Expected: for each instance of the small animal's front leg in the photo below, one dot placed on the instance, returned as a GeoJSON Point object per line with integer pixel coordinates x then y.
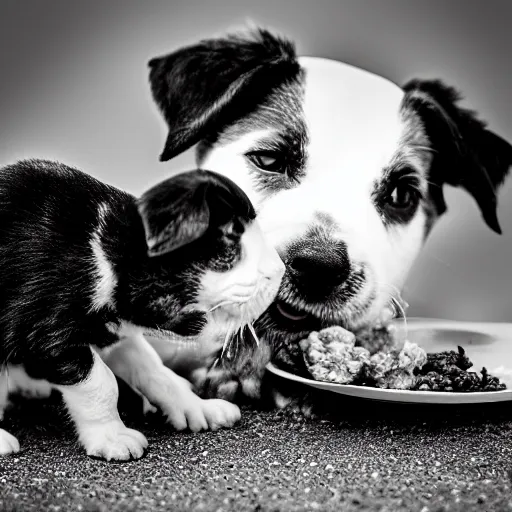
{"type": "Point", "coordinates": [21, 384]}
{"type": "Point", "coordinates": [8, 443]}
{"type": "Point", "coordinates": [138, 364]}
{"type": "Point", "coordinates": [90, 392]}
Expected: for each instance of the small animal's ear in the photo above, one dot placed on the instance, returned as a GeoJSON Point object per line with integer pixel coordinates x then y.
{"type": "Point", "coordinates": [175, 212]}
{"type": "Point", "coordinates": [207, 85]}
{"type": "Point", "coordinates": [466, 153]}
{"type": "Point", "coordinates": [181, 209]}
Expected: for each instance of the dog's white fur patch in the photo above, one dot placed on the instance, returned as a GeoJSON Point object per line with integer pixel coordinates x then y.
{"type": "Point", "coordinates": [245, 291]}
{"type": "Point", "coordinates": [354, 130]}
{"type": "Point", "coordinates": [92, 404]}
{"type": "Point", "coordinates": [106, 278]}
{"type": "Point", "coordinates": [137, 363]}
{"type": "Point", "coordinates": [236, 298]}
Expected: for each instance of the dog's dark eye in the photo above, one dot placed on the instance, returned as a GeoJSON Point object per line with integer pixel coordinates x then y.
{"type": "Point", "coordinates": [267, 161]}
{"type": "Point", "coordinates": [403, 197]}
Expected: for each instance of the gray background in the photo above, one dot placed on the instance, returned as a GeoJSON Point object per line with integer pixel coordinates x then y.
{"type": "Point", "coordinates": [73, 87]}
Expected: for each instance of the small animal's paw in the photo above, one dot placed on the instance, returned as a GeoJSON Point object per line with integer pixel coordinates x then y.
{"type": "Point", "coordinates": [197, 414]}
{"type": "Point", "coordinates": [220, 414]}
{"type": "Point", "coordinates": [219, 383]}
{"type": "Point", "coordinates": [8, 443]}
{"type": "Point", "coordinates": [237, 380]}
{"type": "Point", "coordinates": [303, 405]}
{"type": "Point", "coordinates": [20, 383]}
{"type": "Point", "coordinates": [113, 441]}
{"type": "Point", "coordinates": [224, 384]}
{"type": "Point", "coordinates": [184, 409]}
{"type": "Point", "coordinates": [185, 412]}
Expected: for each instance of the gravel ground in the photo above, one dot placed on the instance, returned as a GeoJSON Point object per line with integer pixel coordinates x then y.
{"type": "Point", "coordinates": [386, 458]}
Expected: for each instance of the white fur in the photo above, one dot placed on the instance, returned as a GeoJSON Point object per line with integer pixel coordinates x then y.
{"type": "Point", "coordinates": [138, 364]}
{"type": "Point", "coordinates": [14, 380]}
{"type": "Point", "coordinates": [106, 278]}
{"type": "Point", "coordinates": [354, 130]}
{"type": "Point", "coordinates": [231, 300]}
{"type": "Point", "coordinates": [4, 390]}
{"type": "Point", "coordinates": [250, 286]}
{"type": "Point", "coordinates": [8, 443]}
{"type": "Point", "coordinates": [20, 383]}
{"type": "Point", "coordinates": [92, 404]}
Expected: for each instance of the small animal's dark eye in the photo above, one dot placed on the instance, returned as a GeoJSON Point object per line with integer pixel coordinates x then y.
{"type": "Point", "coordinates": [267, 161]}
{"type": "Point", "coordinates": [403, 196]}
{"type": "Point", "coordinates": [232, 231]}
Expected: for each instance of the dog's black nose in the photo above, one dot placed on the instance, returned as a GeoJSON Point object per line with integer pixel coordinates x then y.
{"type": "Point", "coordinates": [321, 266]}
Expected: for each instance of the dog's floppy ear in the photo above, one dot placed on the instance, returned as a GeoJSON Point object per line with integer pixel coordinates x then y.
{"type": "Point", "coordinates": [175, 212]}
{"type": "Point", "coordinates": [182, 208]}
{"type": "Point", "coordinates": [467, 154]}
{"type": "Point", "coordinates": [203, 86]}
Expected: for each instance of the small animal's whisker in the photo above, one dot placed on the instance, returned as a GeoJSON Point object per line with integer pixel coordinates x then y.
{"type": "Point", "coordinates": [220, 304]}
{"type": "Point", "coordinates": [439, 260]}
{"type": "Point", "coordinates": [226, 343]}
{"type": "Point", "coordinates": [253, 332]}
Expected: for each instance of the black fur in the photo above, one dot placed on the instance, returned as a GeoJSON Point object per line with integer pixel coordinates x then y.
{"type": "Point", "coordinates": [202, 87]}
{"type": "Point", "coordinates": [50, 213]}
{"type": "Point", "coordinates": [468, 155]}
{"type": "Point", "coordinates": [175, 213]}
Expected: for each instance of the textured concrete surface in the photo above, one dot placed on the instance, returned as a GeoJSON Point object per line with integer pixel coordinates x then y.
{"type": "Point", "coordinates": [360, 456]}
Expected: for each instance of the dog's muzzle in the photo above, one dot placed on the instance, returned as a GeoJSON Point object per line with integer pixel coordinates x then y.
{"type": "Point", "coordinates": [321, 287]}
{"type": "Point", "coordinates": [318, 269]}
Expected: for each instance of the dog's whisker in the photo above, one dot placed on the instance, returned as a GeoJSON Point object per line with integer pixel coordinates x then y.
{"type": "Point", "coordinates": [453, 269]}
{"type": "Point", "coordinates": [401, 309]}
{"type": "Point", "coordinates": [253, 332]}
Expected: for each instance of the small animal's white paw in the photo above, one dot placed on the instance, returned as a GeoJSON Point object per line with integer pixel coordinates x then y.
{"type": "Point", "coordinates": [184, 409]}
{"type": "Point", "coordinates": [198, 414]}
{"type": "Point", "coordinates": [113, 441]}
{"type": "Point", "coordinates": [8, 443]}
{"type": "Point", "coordinates": [220, 414]}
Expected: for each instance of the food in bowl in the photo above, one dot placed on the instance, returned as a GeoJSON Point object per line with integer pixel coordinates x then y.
{"type": "Point", "coordinates": [376, 358]}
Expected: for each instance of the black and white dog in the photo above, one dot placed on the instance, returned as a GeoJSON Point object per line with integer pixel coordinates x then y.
{"type": "Point", "coordinates": [346, 169]}
{"type": "Point", "coordinates": [87, 271]}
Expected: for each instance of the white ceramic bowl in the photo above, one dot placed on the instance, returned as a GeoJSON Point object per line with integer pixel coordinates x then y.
{"type": "Point", "coordinates": [486, 344]}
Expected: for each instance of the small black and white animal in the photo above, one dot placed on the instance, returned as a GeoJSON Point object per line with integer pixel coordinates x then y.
{"type": "Point", "coordinates": [346, 170]}
{"type": "Point", "coordinates": [86, 268]}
